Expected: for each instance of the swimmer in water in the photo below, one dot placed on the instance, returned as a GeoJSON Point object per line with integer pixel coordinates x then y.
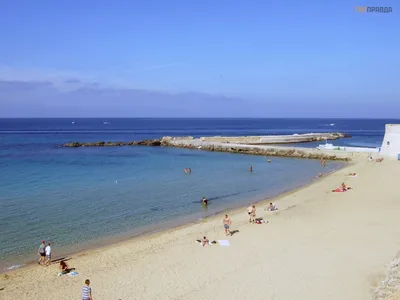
{"type": "Point", "coordinates": [204, 201]}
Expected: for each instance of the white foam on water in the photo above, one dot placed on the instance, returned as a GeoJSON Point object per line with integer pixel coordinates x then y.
{"type": "Point", "coordinates": [13, 267]}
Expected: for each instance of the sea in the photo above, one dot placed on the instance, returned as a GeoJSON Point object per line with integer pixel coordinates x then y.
{"type": "Point", "coordinates": [80, 198]}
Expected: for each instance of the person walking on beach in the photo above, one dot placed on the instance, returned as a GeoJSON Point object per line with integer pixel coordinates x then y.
{"type": "Point", "coordinates": [249, 211]}
{"type": "Point", "coordinates": [253, 214]}
{"type": "Point", "coordinates": [48, 254]}
{"type": "Point", "coordinates": [42, 252]}
{"type": "Point", "coordinates": [87, 291]}
{"type": "Point", "coordinates": [227, 223]}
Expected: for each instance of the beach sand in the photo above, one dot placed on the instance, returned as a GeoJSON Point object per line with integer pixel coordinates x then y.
{"type": "Point", "coordinates": [318, 245]}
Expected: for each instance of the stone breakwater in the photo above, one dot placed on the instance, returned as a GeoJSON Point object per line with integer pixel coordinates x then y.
{"type": "Point", "coordinates": [277, 139]}
{"type": "Point", "coordinates": [201, 144]}
{"type": "Point", "coordinates": [281, 151]}
{"type": "Point", "coordinates": [248, 140]}
{"type": "Point", "coordinates": [155, 142]}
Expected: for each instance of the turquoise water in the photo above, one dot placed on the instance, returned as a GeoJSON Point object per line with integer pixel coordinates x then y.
{"type": "Point", "coordinates": [93, 193]}
{"type": "Point", "coordinates": [78, 198]}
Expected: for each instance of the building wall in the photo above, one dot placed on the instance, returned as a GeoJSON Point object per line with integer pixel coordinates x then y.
{"type": "Point", "coordinates": [391, 141]}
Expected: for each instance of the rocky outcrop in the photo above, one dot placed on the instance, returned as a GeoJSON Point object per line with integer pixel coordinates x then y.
{"type": "Point", "coordinates": [192, 143]}
{"type": "Point", "coordinates": [155, 142]}
{"type": "Point", "coordinates": [282, 152]}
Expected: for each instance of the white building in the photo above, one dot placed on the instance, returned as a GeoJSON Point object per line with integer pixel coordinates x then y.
{"type": "Point", "coordinates": [391, 141]}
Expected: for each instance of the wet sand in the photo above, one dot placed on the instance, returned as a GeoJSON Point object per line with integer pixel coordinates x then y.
{"type": "Point", "coordinates": [318, 245]}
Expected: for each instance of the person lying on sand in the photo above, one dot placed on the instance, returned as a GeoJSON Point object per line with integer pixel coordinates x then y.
{"type": "Point", "coordinates": [379, 159]}
{"type": "Point", "coordinates": [342, 188]}
{"type": "Point", "coordinates": [352, 174]}
{"type": "Point", "coordinates": [205, 241]}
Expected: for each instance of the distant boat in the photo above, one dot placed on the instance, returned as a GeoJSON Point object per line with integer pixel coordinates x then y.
{"type": "Point", "coordinates": [73, 122]}
{"type": "Point", "coordinates": [105, 123]}
{"type": "Point", "coordinates": [333, 124]}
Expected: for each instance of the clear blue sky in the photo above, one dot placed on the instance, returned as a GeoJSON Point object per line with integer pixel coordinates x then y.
{"type": "Point", "coordinates": [257, 58]}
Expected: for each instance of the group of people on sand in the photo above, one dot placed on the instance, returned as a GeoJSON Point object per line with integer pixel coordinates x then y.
{"type": "Point", "coordinates": [44, 253]}
{"type": "Point", "coordinates": [227, 222]}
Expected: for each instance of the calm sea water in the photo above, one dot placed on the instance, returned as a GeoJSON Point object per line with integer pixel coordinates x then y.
{"type": "Point", "coordinates": [77, 198]}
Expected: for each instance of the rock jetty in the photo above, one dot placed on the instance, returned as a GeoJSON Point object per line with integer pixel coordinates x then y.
{"type": "Point", "coordinates": [155, 142]}
{"type": "Point", "coordinates": [264, 150]}
{"type": "Point", "coordinates": [243, 145]}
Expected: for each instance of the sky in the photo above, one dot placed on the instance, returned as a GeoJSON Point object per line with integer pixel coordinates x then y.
{"type": "Point", "coordinates": [199, 58]}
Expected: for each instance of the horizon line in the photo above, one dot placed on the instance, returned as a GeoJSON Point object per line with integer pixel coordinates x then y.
{"type": "Point", "coordinates": [207, 118]}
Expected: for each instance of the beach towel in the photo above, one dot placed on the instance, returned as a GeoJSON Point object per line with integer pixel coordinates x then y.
{"type": "Point", "coordinates": [353, 175]}
{"type": "Point", "coordinates": [338, 190]}
{"type": "Point", "coordinates": [73, 274]}
{"type": "Point", "coordinates": [224, 243]}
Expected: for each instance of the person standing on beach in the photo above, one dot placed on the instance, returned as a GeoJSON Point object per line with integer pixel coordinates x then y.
{"type": "Point", "coordinates": [87, 291]}
{"type": "Point", "coordinates": [253, 213]}
{"type": "Point", "coordinates": [42, 252]}
{"type": "Point", "coordinates": [48, 254]}
{"type": "Point", "coordinates": [227, 223]}
{"type": "Point", "coordinates": [249, 211]}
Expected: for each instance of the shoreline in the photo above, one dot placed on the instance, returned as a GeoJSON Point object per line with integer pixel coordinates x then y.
{"type": "Point", "coordinates": [153, 230]}
{"type": "Point", "coordinates": [323, 245]}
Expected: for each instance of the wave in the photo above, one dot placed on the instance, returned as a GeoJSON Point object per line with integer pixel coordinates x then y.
{"type": "Point", "coordinates": [13, 267]}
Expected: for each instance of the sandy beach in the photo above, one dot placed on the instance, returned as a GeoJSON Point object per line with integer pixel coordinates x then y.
{"type": "Point", "coordinates": [318, 245]}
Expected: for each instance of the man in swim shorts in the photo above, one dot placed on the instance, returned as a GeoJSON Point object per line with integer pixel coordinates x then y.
{"type": "Point", "coordinates": [249, 210]}
{"type": "Point", "coordinates": [253, 213]}
{"type": "Point", "coordinates": [227, 223]}
{"type": "Point", "coordinates": [42, 252]}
